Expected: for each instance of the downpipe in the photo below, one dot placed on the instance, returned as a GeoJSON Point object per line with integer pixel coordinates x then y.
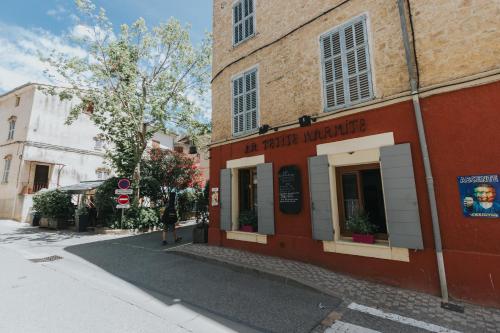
{"type": "Point", "coordinates": [413, 74]}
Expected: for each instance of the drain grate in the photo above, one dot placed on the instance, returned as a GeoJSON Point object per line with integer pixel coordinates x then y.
{"type": "Point", "coordinates": [46, 259]}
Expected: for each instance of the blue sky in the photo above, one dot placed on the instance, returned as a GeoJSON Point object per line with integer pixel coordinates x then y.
{"type": "Point", "coordinates": [30, 25]}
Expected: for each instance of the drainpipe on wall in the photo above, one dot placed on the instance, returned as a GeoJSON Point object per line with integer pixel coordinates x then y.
{"type": "Point", "coordinates": [413, 73]}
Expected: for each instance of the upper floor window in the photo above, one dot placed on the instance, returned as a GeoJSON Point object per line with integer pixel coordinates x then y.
{"type": "Point", "coordinates": [245, 103]}
{"type": "Point", "coordinates": [179, 149]}
{"type": "Point", "coordinates": [243, 20]}
{"type": "Point", "coordinates": [103, 173]}
{"type": "Point", "coordinates": [12, 128]}
{"type": "Point", "coordinates": [346, 65]}
{"type": "Point", "coordinates": [18, 100]}
{"type": "Point", "coordinates": [6, 168]}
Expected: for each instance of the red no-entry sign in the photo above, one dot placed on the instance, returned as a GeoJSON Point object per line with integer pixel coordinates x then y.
{"type": "Point", "coordinates": [123, 199]}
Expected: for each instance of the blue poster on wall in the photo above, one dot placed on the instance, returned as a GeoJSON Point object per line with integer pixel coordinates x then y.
{"type": "Point", "coordinates": [478, 195]}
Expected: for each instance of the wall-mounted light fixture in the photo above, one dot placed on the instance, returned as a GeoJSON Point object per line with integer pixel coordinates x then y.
{"type": "Point", "coordinates": [305, 121]}
{"type": "Point", "coordinates": [264, 128]}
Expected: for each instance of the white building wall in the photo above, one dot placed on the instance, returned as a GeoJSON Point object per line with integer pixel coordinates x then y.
{"type": "Point", "coordinates": [69, 150]}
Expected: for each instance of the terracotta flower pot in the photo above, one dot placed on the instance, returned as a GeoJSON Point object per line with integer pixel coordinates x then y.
{"type": "Point", "coordinates": [360, 238]}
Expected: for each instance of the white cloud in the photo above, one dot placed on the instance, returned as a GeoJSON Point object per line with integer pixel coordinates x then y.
{"type": "Point", "coordinates": [57, 13]}
{"type": "Point", "coordinates": [19, 59]}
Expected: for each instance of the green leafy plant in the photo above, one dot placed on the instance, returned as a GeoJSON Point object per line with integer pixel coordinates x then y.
{"type": "Point", "coordinates": [186, 201]}
{"type": "Point", "coordinates": [359, 223]}
{"type": "Point", "coordinates": [140, 218]}
{"type": "Point", "coordinates": [82, 211]}
{"type": "Point", "coordinates": [248, 218]}
{"type": "Point", "coordinates": [54, 204]}
{"type": "Point", "coordinates": [105, 202]}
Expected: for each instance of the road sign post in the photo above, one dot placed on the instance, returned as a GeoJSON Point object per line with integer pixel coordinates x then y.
{"type": "Point", "coordinates": [123, 200]}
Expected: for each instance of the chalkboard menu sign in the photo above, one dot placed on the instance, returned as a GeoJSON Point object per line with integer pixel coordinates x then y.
{"type": "Point", "coordinates": [289, 189]}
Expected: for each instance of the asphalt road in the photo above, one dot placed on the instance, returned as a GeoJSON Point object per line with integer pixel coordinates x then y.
{"type": "Point", "coordinates": [105, 283]}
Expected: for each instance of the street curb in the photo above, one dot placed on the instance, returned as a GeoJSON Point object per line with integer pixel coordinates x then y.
{"type": "Point", "coordinates": [272, 275]}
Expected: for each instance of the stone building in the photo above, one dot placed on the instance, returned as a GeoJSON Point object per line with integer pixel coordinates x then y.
{"type": "Point", "coordinates": [328, 112]}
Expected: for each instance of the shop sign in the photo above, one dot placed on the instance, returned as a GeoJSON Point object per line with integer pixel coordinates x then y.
{"type": "Point", "coordinates": [289, 189]}
{"type": "Point", "coordinates": [347, 127]}
{"type": "Point", "coordinates": [478, 195]}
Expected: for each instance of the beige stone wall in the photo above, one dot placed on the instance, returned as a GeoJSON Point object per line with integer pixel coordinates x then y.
{"type": "Point", "coordinates": [456, 38]}
{"type": "Point", "coordinates": [290, 83]}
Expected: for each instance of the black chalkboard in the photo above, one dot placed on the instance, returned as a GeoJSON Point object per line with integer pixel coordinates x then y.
{"type": "Point", "coordinates": [289, 189]}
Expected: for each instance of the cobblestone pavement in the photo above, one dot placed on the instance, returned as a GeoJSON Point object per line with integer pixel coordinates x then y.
{"type": "Point", "coordinates": [422, 307]}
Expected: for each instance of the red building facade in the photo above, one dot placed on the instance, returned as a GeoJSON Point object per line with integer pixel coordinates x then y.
{"type": "Point", "coordinates": [352, 158]}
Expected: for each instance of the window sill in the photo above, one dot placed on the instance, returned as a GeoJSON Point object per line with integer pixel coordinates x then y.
{"type": "Point", "coordinates": [380, 249]}
{"type": "Point", "coordinates": [251, 237]}
{"type": "Point", "coordinates": [244, 40]}
{"type": "Point", "coordinates": [246, 133]}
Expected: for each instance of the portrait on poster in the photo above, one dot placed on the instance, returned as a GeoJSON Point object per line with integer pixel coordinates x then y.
{"type": "Point", "coordinates": [478, 195]}
{"type": "Point", "coordinates": [215, 196]}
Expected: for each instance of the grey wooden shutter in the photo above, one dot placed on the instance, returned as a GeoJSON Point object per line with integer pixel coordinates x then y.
{"type": "Point", "coordinates": [238, 100]}
{"type": "Point", "coordinates": [320, 196]}
{"type": "Point", "coordinates": [225, 199]}
{"type": "Point", "coordinates": [332, 70]}
{"type": "Point", "coordinates": [356, 57]}
{"type": "Point", "coordinates": [249, 17]}
{"type": "Point", "coordinates": [238, 23]}
{"type": "Point", "coordinates": [265, 198]}
{"type": "Point", "coordinates": [400, 196]}
{"type": "Point", "coordinates": [251, 100]}
{"type": "Point", "coordinates": [346, 65]}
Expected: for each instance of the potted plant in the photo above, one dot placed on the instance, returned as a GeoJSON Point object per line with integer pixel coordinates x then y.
{"type": "Point", "coordinates": [248, 221]}
{"type": "Point", "coordinates": [362, 229]}
{"type": "Point", "coordinates": [55, 207]}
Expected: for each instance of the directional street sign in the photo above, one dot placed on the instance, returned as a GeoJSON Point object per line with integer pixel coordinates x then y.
{"type": "Point", "coordinates": [124, 183]}
{"type": "Point", "coordinates": [127, 191]}
{"type": "Point", "coordinates": [123, 199]}
{"type": "Point", "coordinates": [123, 206]}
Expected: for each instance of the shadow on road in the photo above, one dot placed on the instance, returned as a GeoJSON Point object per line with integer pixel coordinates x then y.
{"type": "Point", "coordinates": [36, 234]}
{"type": "Point", "coordinates": [226, 295]}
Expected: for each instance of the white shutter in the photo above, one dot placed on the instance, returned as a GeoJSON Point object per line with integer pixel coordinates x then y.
{"type": "Point", "coordinates": [238, 105]}
{"type": "Point", "coordinates": [5, 177]}
{"type": "Point", "coordinates": [243, 20]}
{"type": "Point", "coordinates": [238, 23]}
{"type": "Point", "coordinates": [346, 67]}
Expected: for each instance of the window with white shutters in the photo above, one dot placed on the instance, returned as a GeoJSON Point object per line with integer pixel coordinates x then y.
{"type": "Point", "coordinates": [346, 65]}
{"type": "Point", "coordinates": [243, 20]}
{"type": "Point", "coordinates": [6, 169]}
{"type": "Point", "coordinates": [245, 104]}
{"type": "Point", "coordinates": [12, 128]}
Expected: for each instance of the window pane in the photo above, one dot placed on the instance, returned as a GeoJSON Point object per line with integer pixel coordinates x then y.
{"type": "Point", "coordinates": [374, 198]}
{"type": "Point", "coordinates": [350, 192]}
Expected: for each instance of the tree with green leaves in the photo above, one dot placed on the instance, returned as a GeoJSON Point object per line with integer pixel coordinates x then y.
{"type": "Point", "coordinates": [172, 170]}
{"type": "Point", "coordinates": [133, 82]}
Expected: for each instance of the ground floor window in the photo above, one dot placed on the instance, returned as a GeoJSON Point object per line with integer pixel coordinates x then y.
{"type": "Point", "coordinates": [359, 191]}
{"type": "Point", "coordinates": [247, 199]}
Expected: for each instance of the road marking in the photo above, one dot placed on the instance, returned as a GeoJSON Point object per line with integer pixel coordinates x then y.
{"type": "Point", "coordinates": [342, 327]}
{"type": "Point", "coordinates": [401, 319]}
{"type": "Point", "coordinates": [174, 247]}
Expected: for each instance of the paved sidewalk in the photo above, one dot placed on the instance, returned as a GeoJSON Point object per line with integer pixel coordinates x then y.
{"type": "Point", "coordinates": [394, 300]}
